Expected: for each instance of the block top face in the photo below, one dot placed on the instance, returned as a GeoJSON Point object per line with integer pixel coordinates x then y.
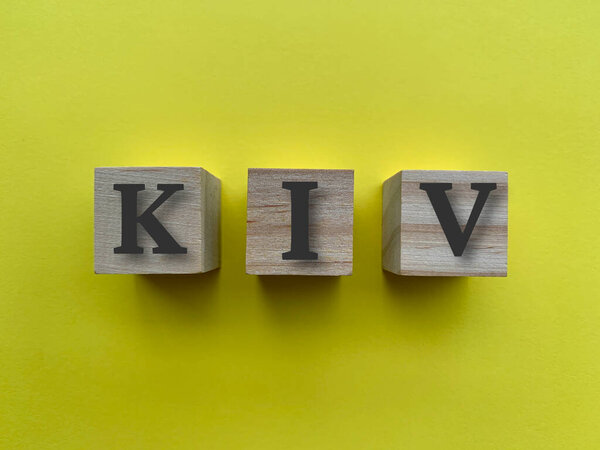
{"type": "Point", "coordinates": [454, 176]}
{"type": "Point", "coordinates": [424, 245]}
{"type": "Point", "coordinates": [181, 214]}
{"type": "Point", "coordinates": [330, 222]}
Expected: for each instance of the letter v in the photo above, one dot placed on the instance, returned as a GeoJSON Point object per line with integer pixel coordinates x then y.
{"type": "Point", "coordinates": [441, 205]}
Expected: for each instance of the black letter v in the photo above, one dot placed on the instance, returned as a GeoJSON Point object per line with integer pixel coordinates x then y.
{"type": "Point", "coordinates": [441, 205]}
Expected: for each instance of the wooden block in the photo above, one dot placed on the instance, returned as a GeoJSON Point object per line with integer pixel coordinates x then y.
{"type": "Point", "coordinates": [156, 220]}
{"type": "Point", "coordinates": [316, 207]}
{"type": "Point", "coordinates": [420, 239]}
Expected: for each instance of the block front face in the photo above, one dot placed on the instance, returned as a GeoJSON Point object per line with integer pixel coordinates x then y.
{"type": "Point", "coordinates": [416, 243]}
{"type": "Point", "coordinates": [330, 222]}
{"type": "Point", "coordinates": [189, 212]}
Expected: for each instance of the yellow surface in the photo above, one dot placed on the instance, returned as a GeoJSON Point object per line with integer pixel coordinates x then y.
{"type": "Point", "coordinates": [231, 361]}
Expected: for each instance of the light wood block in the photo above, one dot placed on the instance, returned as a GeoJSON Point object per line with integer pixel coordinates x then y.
{"type": "Point", "coordinates": [414, 241]}
{"type": "Point", "coordinates": [269, 225]}
{"type": "Point", "coordinates": [190, 215]}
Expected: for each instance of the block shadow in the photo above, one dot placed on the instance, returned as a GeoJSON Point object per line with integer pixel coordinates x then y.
{"type": "Point", "coordinates": [426, 304]}
{"type": "Point", "coordinates": [299, 300]}
{"type": "Point", "coordinates": [181, 299]}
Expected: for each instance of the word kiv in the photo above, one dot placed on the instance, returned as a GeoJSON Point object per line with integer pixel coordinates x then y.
{"type": "Point", "coordinates": [299, 222]}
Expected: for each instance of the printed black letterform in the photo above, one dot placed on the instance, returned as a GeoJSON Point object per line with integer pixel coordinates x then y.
{"type": "Point", "coordinates": [300, 248]}
{"type": "Point", "coordinates": [441, 205]}
{"type": "Point", "coordinates": [130, 219]}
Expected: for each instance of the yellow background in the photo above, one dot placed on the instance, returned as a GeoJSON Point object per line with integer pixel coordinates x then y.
{"type": "Point", "coordinates": [231, 361]}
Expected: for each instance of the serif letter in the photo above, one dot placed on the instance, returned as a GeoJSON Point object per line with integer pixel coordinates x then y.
{"type": "Point", "coordinates": [441, 205]}
{"type": "Point", "coordinates": [300, 249]}
{"type": "Point", "coordinates": [130, 219]}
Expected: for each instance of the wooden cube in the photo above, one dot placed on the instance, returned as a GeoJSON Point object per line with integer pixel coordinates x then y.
{"type": "Point", "coordinates": [445, 223]}
{"type": "Point", "coordinates": [300, 222]}
{"type": "Point", "coordinates": [156, 220]}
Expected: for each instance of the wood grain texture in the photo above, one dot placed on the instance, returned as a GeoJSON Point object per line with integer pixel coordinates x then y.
{"type": "Point", "coordinates": [191, 216]}
{"type": "Point", "coordinates": [331, 211]}
{"type": "Point", "coordinates": [413, 240]}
